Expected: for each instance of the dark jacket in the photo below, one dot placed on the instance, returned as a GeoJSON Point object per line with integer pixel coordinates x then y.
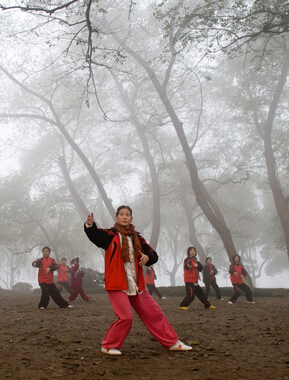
{"type": "Point", "coordinates": [207, 276]}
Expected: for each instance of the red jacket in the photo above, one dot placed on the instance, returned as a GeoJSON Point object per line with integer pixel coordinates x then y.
{"type": "Point", "coordinates": [191, 273]}
{"type": "Point", "coordinates": [43, 264]}
{"type": "Point", "coordinates": [109, 240]}
{"type": "Point", "coordinates": [63, 271]}
{"type": "Point", "coordinates": [76, 275]}
{"type": "Point", "coordinates": [240, 270]}
{"type": "Point", "coordinates": [150, 276]}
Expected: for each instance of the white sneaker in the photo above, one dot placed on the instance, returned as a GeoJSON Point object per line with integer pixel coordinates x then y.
{"type": "Point", "coordinates": [250, 302]}
{"type": "Point", "coordinates": [42, 308]}
{"type": "Point", "coordinates": [69, 306]}
{"type": "Point", "coordinates": [163, 298]}
{"type": "Point", "coordinates": [230, 302]}
{"type": "Point", "coordinates": [110, 351]}
{"type": "Point", "coordinates": [180, 346]}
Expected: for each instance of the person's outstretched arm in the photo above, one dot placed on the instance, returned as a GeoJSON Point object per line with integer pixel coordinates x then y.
{"type": "Point", "coordinates": [98, 236]}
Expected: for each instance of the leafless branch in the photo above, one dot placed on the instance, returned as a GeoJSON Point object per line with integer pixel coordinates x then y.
{"type": "Point", "coordinates": [28, 8]}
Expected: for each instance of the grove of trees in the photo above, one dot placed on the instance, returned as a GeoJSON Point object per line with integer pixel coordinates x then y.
{"type": "Point", "coordinates": [177, 108]}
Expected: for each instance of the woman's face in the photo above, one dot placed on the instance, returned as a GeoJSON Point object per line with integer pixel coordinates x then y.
{"type": "Point", "coordinates": [209, 261]}
{"type": "Point", "coordinates": [46, 252]}
{"type": "Point", "coordinates": [236, 260]}
{"type": "Point", "coordinates": [124, 217]}
{"type": "Point", "coordinates": [193, 252]}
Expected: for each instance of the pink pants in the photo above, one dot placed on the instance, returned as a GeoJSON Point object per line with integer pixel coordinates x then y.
{"type": "Point", "coordinates": [148, 311]}
{"type": "Point", "coordinates": [76, 289]}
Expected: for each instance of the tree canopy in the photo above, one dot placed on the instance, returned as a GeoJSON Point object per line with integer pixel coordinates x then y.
{"type": "Point", "coordinates": [175, 107]}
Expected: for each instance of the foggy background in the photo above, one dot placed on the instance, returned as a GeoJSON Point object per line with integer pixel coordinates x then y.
{"type": "Point", "coordinates": [175, 108]}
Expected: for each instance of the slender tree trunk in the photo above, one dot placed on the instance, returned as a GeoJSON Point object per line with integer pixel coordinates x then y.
{"type": "Point", "coordinates": [156, 224]}
{"type": "Point", "coordinates": [192, 230]}
{"type": "Point", "coordinates": [205, 201]}
{"type": "Point", "coordinates": [79, 204]}
{"type": "Point", "coordinates": [57, 123]}
{"type": "Point", "coordinates": [281, 202]}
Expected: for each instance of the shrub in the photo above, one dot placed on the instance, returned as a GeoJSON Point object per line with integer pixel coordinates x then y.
{"type": "Point", "coordinates": [24, 287]}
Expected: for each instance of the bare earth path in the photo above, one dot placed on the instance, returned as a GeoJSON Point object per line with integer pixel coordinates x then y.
{"type": "Point", "coordinates": [240, 341]}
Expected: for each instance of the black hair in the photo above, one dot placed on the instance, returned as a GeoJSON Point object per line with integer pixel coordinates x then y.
{"type": "Point", "coordinates": [122, 207]}
{"type": "Point", "coordinates": [46, 248]}
{"type": "Point", "coordinates": [63, 259]}
{"type": "Point", "coordinates": [233, 258]}
{"type": "Point", "coordinates": [208, 258]}
{"type": "Point", "coordinates": [189, 250]}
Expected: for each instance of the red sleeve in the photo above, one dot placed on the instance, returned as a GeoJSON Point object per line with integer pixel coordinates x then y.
{"type": "Point", "coordinates": [74, 268]}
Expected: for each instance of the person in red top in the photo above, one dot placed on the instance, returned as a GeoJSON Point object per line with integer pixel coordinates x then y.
{"type": "Point", "coordinates": [47, 266]}
{"type": "Point", "coordinates": [192, 267]}
{"type": "Point", "coordinates": [150, 277]}
{"type": "Point", "coordinates": [76, 281]}
{"type": "Point", "coordinates": [62, 277]}
{"type": "Point", "coordinates": [237, 274]}
{"type": "Point", "coordinates": [126, 252]}
{"type": "Point", "coordinates": [209, 278]}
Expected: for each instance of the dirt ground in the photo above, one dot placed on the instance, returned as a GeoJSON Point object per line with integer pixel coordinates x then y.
{"type": "Point", "coordinates": [240, 341]}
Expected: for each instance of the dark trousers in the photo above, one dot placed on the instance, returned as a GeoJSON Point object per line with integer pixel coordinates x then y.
{"type": "Point", "coordinates": [214, 285]}
{"type": "Point", "coordinates": [52, 291]}
{"type": "Point", "coordinates": [62, 284]}
{"type": "Point", "coordinates": [237, 294]}
{"type": "Point", "coordinates": [192, 291]}
{"type": "Point", "coordinates": [152, 288]}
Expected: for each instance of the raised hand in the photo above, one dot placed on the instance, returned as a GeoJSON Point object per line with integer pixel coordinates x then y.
{"type": "Point", "coordinates": [89, 220]}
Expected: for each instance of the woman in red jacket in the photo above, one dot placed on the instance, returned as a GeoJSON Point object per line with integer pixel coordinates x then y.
{"type": "Point", "coordinates": [47, 266]}
{"type": "Point", "coordinates": [192, 267]}
{"type": "Point", "coordinates": [62, 277]}
{"type": "Point", "coordinates": [76, 281]}
{"type": "Point", "coordinates": [150, 278]}
{"type": "Point", "coordinates": [237, 274]}
{"type": "Point", "coordinates": [126, 252]}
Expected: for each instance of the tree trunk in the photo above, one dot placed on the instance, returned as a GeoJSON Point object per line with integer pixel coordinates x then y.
{"type": "Point", "coordinates": [79, 204]}
{"type": "Point", "coordinates": [57, 123]}
{"type": "Point", "coordinates": [156, 220]}
{"type": "Point", "coordinates": [281, 202]}
{"type": "Point", "coordinates": [205, 201]}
